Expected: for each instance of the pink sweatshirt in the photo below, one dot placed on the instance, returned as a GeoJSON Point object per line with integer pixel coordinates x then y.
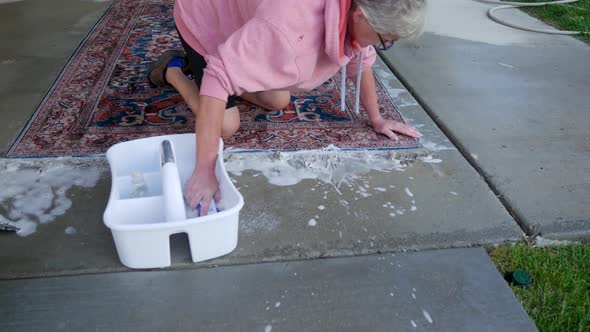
{"type": "Point", "coordinates": [261, 45]}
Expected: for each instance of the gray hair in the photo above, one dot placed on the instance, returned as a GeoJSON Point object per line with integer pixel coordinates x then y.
{"type": "Point", "coordinates": [402, 18]}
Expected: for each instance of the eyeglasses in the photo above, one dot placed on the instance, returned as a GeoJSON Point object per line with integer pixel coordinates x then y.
{"type": "Point", "coordinates": [385, 44]}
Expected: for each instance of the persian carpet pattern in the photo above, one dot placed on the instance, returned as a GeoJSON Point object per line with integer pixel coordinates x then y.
{"type": "Point", "coordinates": [103, 97]}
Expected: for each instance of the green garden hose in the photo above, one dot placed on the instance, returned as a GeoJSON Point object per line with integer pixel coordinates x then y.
{"type": "Point", "coordinates": [508, 4]}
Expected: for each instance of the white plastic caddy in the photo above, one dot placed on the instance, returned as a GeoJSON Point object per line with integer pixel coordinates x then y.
{"type": "Point", "coordinates": [145, 206]}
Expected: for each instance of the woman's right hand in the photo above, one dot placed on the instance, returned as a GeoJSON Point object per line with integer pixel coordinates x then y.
{"type": "Point", "coordinates": [201, 188]}
{"type": "Point", "coordinates": [202, 185]}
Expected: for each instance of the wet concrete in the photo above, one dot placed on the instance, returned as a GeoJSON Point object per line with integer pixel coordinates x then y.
{"type": "Point", "coordinates": [372, 213]}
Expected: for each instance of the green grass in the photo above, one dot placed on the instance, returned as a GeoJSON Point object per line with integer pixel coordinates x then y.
{"type": "Point", "coordinates": [574, 16]}
{"type": "Point", "coordinates": [559, 298]}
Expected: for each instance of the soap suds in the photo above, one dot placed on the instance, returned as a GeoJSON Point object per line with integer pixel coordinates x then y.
{"type": "Point", "coordinates": [25, 226]}
{"type": "Point", "coordinates": [408, 192]}
{"type": "Point", "coordinates": [430, 160]}
{"type": "Point", "coordinates": [139, 185]}
{"type": "Point", "coordinates": [336, 168]}
{"type": "Point", "coordinates": [400, 97]}
{"type": "Point", "coordinates": [70, 230]}
{"type": "Point", "coordinates": [331, 166]}
{"type": "Point", "coordinates": [35, 192]}
{"type": "Point", "coordinates": [259, 222]}
{"type": "Point", "coordinates": [434, 146]}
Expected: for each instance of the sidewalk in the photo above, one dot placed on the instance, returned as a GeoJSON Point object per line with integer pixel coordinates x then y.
{"type": "Point", "coordinates": [515, 103]}
{"type": "Point", "coordinates": [365, 208]}
{"type": "Point", "coordinates": [443, 290]}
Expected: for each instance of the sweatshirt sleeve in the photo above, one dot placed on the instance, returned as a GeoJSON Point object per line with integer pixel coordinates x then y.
{"type": "Point", "coordinates": [369, 57]}
{"type": "Point", "coordinates": [257, 57]}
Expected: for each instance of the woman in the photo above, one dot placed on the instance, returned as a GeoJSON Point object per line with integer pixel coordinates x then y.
{"type": "Point", "coordinates": [261, 50]}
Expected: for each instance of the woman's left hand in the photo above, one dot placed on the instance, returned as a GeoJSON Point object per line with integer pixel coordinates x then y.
{"type": "Point", "coordinates": [390, 127]}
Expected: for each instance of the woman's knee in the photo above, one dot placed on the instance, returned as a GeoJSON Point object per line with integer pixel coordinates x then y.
{"type": "Point", "coordinates": [275, 100]}
{"type": "Point", "coordinates": [231, 122]}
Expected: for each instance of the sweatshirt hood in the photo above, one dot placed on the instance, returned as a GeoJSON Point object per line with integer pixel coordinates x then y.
{"type": "Point", "coordinates": [336, 17]}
